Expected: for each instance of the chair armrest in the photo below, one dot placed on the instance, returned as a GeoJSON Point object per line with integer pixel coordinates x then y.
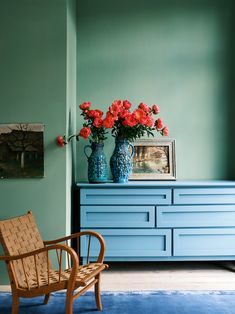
{"type": "Point", "coordinates": [46, 249]}
{"type": "Point", "coordinates": [64, 247]}
{"type": "Point", "coordinates": [78, 235]}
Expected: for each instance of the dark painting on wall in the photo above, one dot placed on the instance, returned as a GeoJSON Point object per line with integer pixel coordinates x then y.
{"type": "Point", "coordinates": [21, 150]}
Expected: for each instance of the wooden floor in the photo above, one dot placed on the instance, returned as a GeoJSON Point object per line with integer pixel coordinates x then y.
{"type": "Point", "coordinates": [167, 276]}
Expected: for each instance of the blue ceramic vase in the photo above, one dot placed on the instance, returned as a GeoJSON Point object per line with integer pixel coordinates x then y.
{"type": "Point", "coordinates": [97, 164]}
{"type": "Point", "coordinates": [121, 160]}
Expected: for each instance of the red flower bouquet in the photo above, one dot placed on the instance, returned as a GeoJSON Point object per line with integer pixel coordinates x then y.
{"type": "Point", "coordinates": [135, 124]}
{"type": "Point", "coordinates": [123, 122]}
{"type": "Point", "coordinates": [93, 127]}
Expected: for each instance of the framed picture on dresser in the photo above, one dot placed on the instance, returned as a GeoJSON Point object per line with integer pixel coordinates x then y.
{"type": "Point", "coordinates": [154, 159]}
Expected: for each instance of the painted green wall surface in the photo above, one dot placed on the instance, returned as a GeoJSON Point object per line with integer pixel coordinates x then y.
{"type": "Point", "coordinates": [33, 88]}
{"type": "Point", "coordinates": [173, 53]}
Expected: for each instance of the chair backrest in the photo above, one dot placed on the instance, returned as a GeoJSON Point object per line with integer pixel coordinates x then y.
{"type": "Point", "coordinates": [20, 235]}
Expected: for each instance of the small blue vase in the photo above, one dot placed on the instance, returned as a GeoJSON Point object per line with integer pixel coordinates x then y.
{"type": "Point", "coordinates": [121, 160]}
{"type": "Point", "coordinates": [97, 164]}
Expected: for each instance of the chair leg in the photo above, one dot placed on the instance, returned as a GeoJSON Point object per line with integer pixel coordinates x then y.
{"type": "Point", "coordinates": [69, 303]}
{"type": "Point", "coordinates": [46, 298]}
{"type": "Point", "coordinates": [15, 304]}
{"type": "Point", "coordinates": [97, 293]}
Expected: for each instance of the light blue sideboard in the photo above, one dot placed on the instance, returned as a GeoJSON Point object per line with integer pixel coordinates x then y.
{"type": "Point", "coordinates": [159, 220]}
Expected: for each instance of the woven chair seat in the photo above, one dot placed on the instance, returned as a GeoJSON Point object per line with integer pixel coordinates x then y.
{"type": "Point", "coordinates": [85, 274]}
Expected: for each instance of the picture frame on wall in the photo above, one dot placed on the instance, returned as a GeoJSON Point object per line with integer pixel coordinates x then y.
{"type": "Point", "coordinates": [154, 159]}
{"type": "Point", "coordinates": [21, 150]}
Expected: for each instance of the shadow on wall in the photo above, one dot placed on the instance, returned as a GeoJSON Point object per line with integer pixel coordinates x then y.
{"type": "Point", "coordinates": [230, 125]}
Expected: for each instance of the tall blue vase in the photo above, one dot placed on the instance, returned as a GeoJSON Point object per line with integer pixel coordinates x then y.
{"type": "Point", "coordinates": [97, 164]}
{"type": "Point", "coordinates": [121, 160]}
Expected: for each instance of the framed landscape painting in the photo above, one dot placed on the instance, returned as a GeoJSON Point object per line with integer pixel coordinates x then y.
{"type": "Point", "coordinates": [154, 159]}
{"type": "Point", "coordinates": [21, 150]}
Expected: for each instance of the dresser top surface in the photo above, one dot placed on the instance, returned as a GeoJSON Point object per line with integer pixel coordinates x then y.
{"type": "Point", "coordinates": [177, 183]}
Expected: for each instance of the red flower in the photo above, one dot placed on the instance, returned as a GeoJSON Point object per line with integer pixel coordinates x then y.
{"type": "Point", "coordinates": [116, 107]}
{"type": "Point", "coordinates": [130, 120]}
{"type": "Point", "coordinates": [140, 115]}
{"type": "Point", "coordinates": [155, 109]}
{"type": "Point", "coordinates": [159, 124]}
{"type": "Point", "coordinates": [85, 132]}
{"type": "Point", "coordinates": [109, 120]}
{"type": "Point", "coordinates": [123, 113]}
{"type": "Point", "coordinates": [118, 103]}
{"type": "Point", "coordinates": [95, 113]}
{"type": "Point", "coordinates": [99, 112]}
{"type": "Point", "coordinates": [126, 104]}
{"type": "Point", "coordinates": [165, 131]}
{"type": "Point", "coordinates": [98, 122]}
{"type": "Point", "coordinates": [85, 106]}
{"type": "Point", "coordinates": [144, 107]}
{"type": "Point", "coordinates": [60, 140]}
{"type": "Point", "coordinates": [149, 121]}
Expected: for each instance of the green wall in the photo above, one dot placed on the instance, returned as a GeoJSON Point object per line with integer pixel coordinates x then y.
{"type": "Point", "coordinates": [34, 79]}
{"type": "Point", "coordinates": [173, 53]}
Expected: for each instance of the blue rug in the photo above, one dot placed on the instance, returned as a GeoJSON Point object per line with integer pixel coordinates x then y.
{"type": "Point", "coordinates": [158, 302]}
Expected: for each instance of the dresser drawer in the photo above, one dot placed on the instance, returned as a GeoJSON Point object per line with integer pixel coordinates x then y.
{"type": "Point", "coordinates": [204, 242]}
{"type": "Point", "coordinates": [204, 196]}
{"type": "Point", "coordinates": [125, 196]}
{"type": "Point", "coordinates": [196, 216]}
{"type": "Point", "coordinates": [131, 243]}
{"type": "Point", "coordinates": [117, 216]}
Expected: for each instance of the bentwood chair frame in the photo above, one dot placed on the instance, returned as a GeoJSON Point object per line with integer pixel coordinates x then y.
{"type": "Point", "coordinates": [30, 268]}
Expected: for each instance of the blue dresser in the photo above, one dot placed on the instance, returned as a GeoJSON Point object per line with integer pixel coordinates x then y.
{"type": "Point", "coordinates": [159, 220]}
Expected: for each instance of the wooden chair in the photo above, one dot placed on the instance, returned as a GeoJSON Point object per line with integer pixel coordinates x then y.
{"type": "Point", "coordinates": [29, 263]}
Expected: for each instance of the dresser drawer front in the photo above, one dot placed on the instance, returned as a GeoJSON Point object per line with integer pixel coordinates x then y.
{"type": "Point", "coordinates": [204, 242]}
{"type": "Point", "coordinates": [125, 196]}
{"type": "Point", "coordinates": [196, 216]}
{"type": "Point", "coordinates": [117, 216]}
{"type": "Point", "coordinates": [204, 196]}
{"type": "Point", "coordinates": [131, 243]}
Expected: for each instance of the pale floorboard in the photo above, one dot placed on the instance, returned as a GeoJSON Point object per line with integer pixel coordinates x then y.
{"type": "Point", "coordinates": [167, 276]}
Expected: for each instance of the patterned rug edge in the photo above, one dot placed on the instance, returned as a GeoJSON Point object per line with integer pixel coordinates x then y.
{"type": "Point", "coordinates": [148, 292]}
